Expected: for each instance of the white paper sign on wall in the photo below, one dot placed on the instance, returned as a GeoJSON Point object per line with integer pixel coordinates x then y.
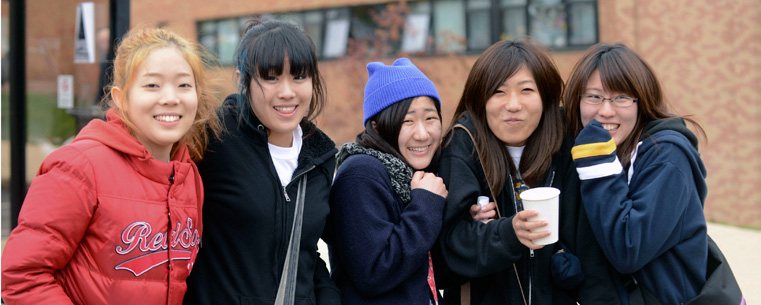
{"type": "Point", "coordinates": [65, 91]}
{"type": "Point", "coordinates": [84, 34]}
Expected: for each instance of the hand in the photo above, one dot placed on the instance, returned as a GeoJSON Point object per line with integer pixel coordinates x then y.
{"type": "Point", "coordinates": [487, 212]}
{"type": "Point", "coordinates": [523, 227]}
{"type": "Point", "coordinates": [429, 182]}
{"type": "Point", "coordinates": [594, 146]}
{"type": "Point", "coordinates": [593, 134]}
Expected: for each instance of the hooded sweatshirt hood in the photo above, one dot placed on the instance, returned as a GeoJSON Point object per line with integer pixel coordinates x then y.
{"type": "Point", "coordinates": [115, 134]}
{"type": "Point", "coordinates": [675, 124]}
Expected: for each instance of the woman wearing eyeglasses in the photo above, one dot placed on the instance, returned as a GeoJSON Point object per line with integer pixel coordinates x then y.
{"type": "Point", "coordinates": [642, 179]}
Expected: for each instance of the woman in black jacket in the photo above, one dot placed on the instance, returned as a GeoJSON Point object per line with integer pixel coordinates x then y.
{"type": "Point", "coordinates": [267, 181]}
{"type": "Point", "coordinates": [507, 135]}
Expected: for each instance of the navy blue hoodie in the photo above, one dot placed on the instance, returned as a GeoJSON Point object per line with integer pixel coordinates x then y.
{"type": "Point", "coordinates": [648, 218]}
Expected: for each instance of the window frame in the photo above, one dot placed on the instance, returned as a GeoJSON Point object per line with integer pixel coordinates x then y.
{"type": "Point", "coordinates": [496, 23]}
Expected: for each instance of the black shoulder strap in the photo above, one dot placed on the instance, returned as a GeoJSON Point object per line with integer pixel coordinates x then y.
{"type": "Point", "coordinates": [286, 291]}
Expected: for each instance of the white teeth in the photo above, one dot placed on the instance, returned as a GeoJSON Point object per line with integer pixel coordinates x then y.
{"type": "Point", "coordinates": [285, 109]}
{"type": "Point", "coordinates": [610, 126]}
{"type": "Point", "coordinates": [167, 118]}
{"type": "Point", "coordinates": [417, 149]}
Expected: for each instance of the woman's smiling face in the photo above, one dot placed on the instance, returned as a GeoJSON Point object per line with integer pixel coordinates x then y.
{"type": "Point", "coordinates": [619, 121]}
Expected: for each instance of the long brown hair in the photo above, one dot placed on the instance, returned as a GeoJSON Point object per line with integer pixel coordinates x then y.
{"type": "Point", "coordinates": [498, 63]}
{"type": "Point", "coordinates": [623, 71]}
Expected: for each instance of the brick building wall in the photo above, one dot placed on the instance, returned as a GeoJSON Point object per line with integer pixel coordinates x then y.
{"type": "Point", "coordinates": [707, 55]}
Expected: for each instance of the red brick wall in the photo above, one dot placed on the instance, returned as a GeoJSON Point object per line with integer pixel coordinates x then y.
{"type": "Point", "coordinates": [707, 55]}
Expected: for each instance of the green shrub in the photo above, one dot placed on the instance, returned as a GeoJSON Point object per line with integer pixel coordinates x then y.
{"type": "Point", "coordinates": [45, 121]}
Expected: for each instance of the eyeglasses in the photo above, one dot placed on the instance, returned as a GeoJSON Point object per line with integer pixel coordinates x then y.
{"type": "Point", "coordinates": [621, 101]}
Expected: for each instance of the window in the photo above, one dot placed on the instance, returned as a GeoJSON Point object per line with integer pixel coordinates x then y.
{"type": "Point", "coordinates": [479, 29]}
{"type": "Point", "coordinates": [228, 34]}
{"type": "Point", "coordinates": [368, 27]}
{"type": "Point", "coordinates": [449, 26]}
{"type": "Point", "coordinates": [221, 37]}
{"type": "Point", "coordinates": [336, 33]}
{"type": "Point", "coordinates": [582, 21]}
{"type": "Point", "coordinates": [548, 22]}
{"type": "Point", "coordinates": [513, 19]}
{"type": "Point", "coordinates": [424, 26]}
{"type": "Point", "coordinates": [313, 26]}
{"type": "Point", "coordinates": [415, 37]}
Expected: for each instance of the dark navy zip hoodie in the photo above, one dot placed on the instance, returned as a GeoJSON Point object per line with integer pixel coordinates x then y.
{"type": "Point", "coordinates": [649, 217]}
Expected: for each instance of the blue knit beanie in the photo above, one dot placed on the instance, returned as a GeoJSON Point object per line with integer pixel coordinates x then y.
{"type": "Point", "coordinates": [387, 85]}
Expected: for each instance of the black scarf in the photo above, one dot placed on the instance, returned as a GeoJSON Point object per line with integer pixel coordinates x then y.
{"type": "Point", "coordinates": [399, 172]}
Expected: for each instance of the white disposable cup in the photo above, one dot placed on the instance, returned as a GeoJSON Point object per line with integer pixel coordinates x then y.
{"type": "Point", "coordinates": [482, 201]}
{"type": "Point", "coordinates": [545, 200]}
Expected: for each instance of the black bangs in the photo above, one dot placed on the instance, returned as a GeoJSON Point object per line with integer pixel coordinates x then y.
{"type": "Point", "coordinates": [283, 42]}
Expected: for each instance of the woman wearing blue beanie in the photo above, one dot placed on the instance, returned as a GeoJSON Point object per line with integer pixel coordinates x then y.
{"type": "Point", "coordinates": [386, 202]}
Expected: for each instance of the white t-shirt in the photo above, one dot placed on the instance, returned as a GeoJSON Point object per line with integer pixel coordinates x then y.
{"type": "Point", "coordinates": [515, 154]}
{"type": "Point", "coordinates": [286, 159]}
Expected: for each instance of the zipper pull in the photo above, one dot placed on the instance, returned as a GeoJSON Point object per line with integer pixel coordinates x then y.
{"type": "Point", "coordinates": [531, 252]}
{"type": "Point", "coordinates": [285, 192]}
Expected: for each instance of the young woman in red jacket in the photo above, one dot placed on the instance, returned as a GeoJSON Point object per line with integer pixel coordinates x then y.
{"type": "Point", "coordinates": [114, 217]}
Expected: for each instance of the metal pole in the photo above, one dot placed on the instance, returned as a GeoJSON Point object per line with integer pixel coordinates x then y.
{"type": "Point", "coordinates": [17, 80]}
{"type": "Point", "coordinates": [119, 21]}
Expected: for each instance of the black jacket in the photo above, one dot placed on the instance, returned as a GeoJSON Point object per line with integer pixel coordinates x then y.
{"type": "Point", "coordinates": [247, 217]}
{"type": "Point", "coordinates": [484, 254]}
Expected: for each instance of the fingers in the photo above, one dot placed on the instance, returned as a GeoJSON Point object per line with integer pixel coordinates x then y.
{"type": "Point", "coordinates": [523, 228]}
{"type": "Point", "coordinates": [489, 211]}
{"type": "Point", "coordinates": [429, 182]}
{"type": "Point", "coordinates": [485, 213]}
{"type": "Point", "coordinates": [417, 176]}
{"type": "Point", "coordinates": [474, 212]}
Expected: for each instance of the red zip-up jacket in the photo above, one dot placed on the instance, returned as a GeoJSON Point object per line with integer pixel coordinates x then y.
{"type": "Point", "coordinates": [105, 223]}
